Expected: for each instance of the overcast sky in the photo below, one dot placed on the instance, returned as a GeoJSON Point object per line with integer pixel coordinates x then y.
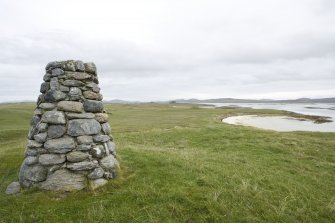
{"type": "Point", "coordinates": [169, 49]}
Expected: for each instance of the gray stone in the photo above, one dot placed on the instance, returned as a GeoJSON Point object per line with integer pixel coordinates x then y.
{"type": "Point", "coordinates": [93, 106]}
{"type": "Point", "coordinates": [75, 93]}
{"type": "Point", "coordinates": [101, 138]}
{"type": "Point", "coordinates": [54, 117]}
{"type": "Point", "coordinates": [13, 188]}
{"type": "Point", "coordinates": [73, 83]}
{"type": "Point", "coordinates": [101, 117]}
{"type": "Point", "coordinates": [54, 96]}
{"type": "Point", "coordinates": [61, 145]}
{"type": "Point", "coordinates": [69, 66]}
{"type": "Point", "coordinates": [47, 106]}
{"type": "Point", "coordinates": [33, 144]}
{"type": "Point", "coordinates": [51, 159]}
{"type": "Point", "coordinates": [70, 106]}
{"type": "Point", "coordinates": [30, 152]}
{"type": "Point", "coordinates": [35, 120]}
{"type": "Point", "coordinates": [106, 128]}
{"type": "Point", "coordinates": [95, 80]}
{"type": "Point", "coordinates": [64, 180]}
{"type": "Point", "coordinates": [96, 173]}
{"type": "Point", "coordinates": [56, 72]}
{"type": "Point", "coordinates": [111, 147]}
{"type": "Point", "coordinates": [56, 131]}
{"type": "Point", "coordinates": [52, 65]}
{"type": "Point", "coordinates": [76, 156]}
{"type": "Point", "coordinates": [41, 151]}
{"type": "Point", "coordinates": [38, 112]}
{"type": "Point", "coordinates": [93, 86]}
{"type": "Point", "coordinates": [79, 65]}
{"type": "Point", "coordinates": [77, 75]}
{"type": "Point", "coordinates": [84, 147]}
{"type": "Point", "coordinates": [64, 89]}
{"type": "Point", "coordinates": [80, 116]}
{"type": "Point", "coordinates": [54, 84]}
{"type": "Point", "coordinates": [35, 173]}
{"type": "Point", "coordinates": [92, 95]}
{"type": "Point", "coordinates": [78, 127]}
{"type": "Point", "coordinates": [42, 127]}
{"type": "Point", "coordinates": [90, 68]}
{"type": "Point", "coordinates": [33, 131]}
{"type": "Point", "coordinates": [98, 152]}
{"type": "Point", "coordinates": [45, 87]}
{"type": "Point", "coordinates": [84, 165]}
{"type": "Point", "coordinates": [41, 137]}
{"type": "Point", "coordinates": [85, 139]}
{"type": "Point", "coordinates": [98, 183]}
{"type": "Point", "coordinates": [30, 160]}
{"type": "Point", "coordinates": [47, 77]}
{"type": "Point", "coordinates": [108, 162]}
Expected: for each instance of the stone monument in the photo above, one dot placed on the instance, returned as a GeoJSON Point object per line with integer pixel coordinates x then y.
{"type": "Point", "coordinates": [70, 146]}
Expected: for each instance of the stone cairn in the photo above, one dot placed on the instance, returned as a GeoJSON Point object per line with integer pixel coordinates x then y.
{"type": "Point", "coordinates": [69, 145]}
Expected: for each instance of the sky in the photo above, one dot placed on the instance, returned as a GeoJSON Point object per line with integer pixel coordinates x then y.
{"type": "Point", "coordinates": [170, 49]}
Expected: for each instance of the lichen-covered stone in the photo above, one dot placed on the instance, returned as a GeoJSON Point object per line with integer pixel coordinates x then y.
{"type": "Point", "coordinates": [30, 160]}
{"type": "Point", "coordinates": [79, 65]}
{"type": "Point", "coordinates": [101, 117]}
{"type": "Point", "coordinates": [80, 116]}
{"type": "Point", "coordinates": [51, 159]}
{"type": "Point", "coordinates": [54, 84]}
{"type": "Point", "coordinates": [70, 106]}
{"type": "Point", "coordinates": [41, 137]}
{"type": "Point", "coordinates": [93, 106]}
{"type": "Point", "coordinates": [47, 106]}
{"type": "Point", "coordinates": [69, 66]}
{"type": "Point", "coordinates": [92, 95]}
{"type": "Point", "coordinates": [61, 145]}
{"type": "Point", "coordinates": [106, 128]}
{"type": "Point", "coordinates": [90, 68]}
{"type": "Point", "coordinates": [56, 131]}
{"type": "Point", "coordinates": [57, 72]}
{"type": "Point", "coordinates": [33, 144]}
{"type": "Point", "coordinates": [54, 96]}
{"type": "Point", "coordinates": [84, 165]}
{"type": "Point", "coordinates": [44, 87]}
{"type": "Point", "coordinates": [108, 162]}
{"type": "Point", "coordinates": [75, 94]}
{"type": "Point", "coordinates": [98, 183]}
{"type": "Point", "coordinates": [35, 173]}
{"type": "Point", "coordinates": [64, 180]}
{"type": "Point", "coordinates": [42, 127]}
{"type": "Point", "coordinates": [93, 86]}
{"type": "Point", "coordinates": [84, 139]}
{"type": "Point", "coordinates": [13, 188]}
{"type": "Point", "coordinates": [78, 127]}
{"type": "Point", "coordinates": [96, 173]}
{"type": "Point", "coordinates": [54, 117]}
{"type": "Point", "coordinates": [73, 83]}
{"type": "Point", "coordinates": [76, 156]}
{"type": "Point", "coordinates": [100, 138]}
{"type": "Point", "coordinates": [77, 75]}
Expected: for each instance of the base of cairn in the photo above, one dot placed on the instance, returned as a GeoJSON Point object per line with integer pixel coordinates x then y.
{"type": "Point", "coordinates": [69, 145]}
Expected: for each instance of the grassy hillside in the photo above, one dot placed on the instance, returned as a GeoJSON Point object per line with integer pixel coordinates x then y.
{"type": "Point", "coordinates": [181, 164]}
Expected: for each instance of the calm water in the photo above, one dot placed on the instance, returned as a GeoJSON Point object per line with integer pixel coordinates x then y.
{"type": "Point", "coordinates": [280, 123]}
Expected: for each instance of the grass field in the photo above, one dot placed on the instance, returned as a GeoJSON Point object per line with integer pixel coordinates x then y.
{"type": "Point", "coordinates": [179, 163]}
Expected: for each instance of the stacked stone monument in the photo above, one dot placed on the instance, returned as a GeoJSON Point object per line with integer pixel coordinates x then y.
{"type": "Point", "coordinates": [69, 145]}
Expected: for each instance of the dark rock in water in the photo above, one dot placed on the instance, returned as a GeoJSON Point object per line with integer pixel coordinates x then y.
{"type": "Point", "coordinates": [93, 106]}
{"type": "Point", "coordinates": [78, 127]}
{"type": "Point", "coordinates": [64, 180]}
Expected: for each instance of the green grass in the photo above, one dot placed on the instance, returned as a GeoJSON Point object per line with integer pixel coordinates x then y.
{"type": "Point", "coordinates": [181, 164]}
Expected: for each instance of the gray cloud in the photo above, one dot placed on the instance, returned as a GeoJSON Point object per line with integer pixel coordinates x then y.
{"type": "Point", "coordinates": [174, 49]}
